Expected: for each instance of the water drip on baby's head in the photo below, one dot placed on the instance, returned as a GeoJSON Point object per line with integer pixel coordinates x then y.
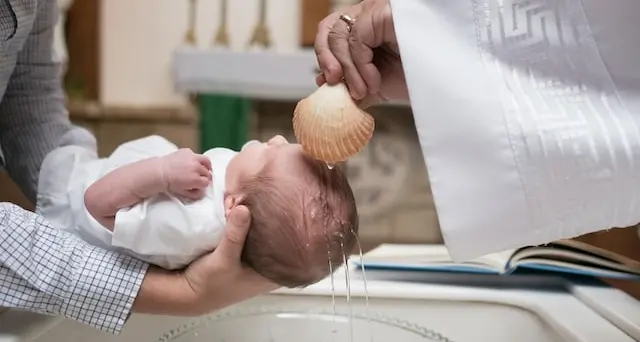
{"type": "Point", "coordinates": [330, 166]}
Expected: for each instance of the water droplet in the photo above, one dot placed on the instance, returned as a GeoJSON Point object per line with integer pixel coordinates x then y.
{"type": "Point", "coordinates": [330, 166]}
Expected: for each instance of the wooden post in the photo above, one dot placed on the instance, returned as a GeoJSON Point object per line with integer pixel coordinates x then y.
{"type": "Point", "coordinates": [83, 45]}
{"type": "Point", "coordinates": [313, 11]}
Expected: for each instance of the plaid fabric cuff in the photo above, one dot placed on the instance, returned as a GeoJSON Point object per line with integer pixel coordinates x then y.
{"type": "Point", "coordinates": [105, 290]}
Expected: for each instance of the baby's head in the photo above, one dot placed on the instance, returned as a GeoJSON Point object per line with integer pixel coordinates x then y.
{"type": "Point", "coordinates": [304, 217]}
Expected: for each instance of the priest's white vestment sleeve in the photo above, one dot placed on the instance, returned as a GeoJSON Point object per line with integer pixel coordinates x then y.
{"type": "Point", "coordinates": [528, 114]}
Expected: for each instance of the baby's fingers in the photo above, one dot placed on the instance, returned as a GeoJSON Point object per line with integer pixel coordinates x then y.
{"type": "Point", "coordinates": [203, 171]}
{"type": "Point", "coordinates": [204, 161]}
{"type": "Point", "coordinates": [200, 181]}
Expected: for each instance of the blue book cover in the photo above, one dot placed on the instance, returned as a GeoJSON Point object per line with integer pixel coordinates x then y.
{"type": "Point", "coordinates": [567, 257]}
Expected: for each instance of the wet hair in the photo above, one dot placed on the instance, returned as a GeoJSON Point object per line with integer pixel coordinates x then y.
{"type": "Point", "coordinates": [299, 234]}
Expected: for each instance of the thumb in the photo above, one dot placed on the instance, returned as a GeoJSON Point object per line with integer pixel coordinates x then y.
{"type": "Point", "coordinates": [235, 234]}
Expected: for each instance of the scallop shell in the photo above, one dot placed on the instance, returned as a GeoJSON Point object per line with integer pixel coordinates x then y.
{"type": "Point", "coordinates": [330, 126]}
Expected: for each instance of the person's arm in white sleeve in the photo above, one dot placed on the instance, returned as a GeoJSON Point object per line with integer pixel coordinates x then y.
{"type": "Point", "coordinates": [182, 173]}
{"type": "Point", "coordinates": [122, 188]}
{"type": "Point", "coordinates": [527, 117]}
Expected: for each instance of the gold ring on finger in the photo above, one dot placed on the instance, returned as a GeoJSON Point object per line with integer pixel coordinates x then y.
{"type": "Point", "coordinates": [348, 20]}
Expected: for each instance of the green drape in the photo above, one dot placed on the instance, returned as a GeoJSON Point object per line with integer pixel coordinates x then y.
{"type": "Point", "coordinates": [224, 121]}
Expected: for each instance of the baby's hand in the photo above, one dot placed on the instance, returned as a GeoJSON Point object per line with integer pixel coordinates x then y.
{"type": "Point", "coordinates": [186, 174]}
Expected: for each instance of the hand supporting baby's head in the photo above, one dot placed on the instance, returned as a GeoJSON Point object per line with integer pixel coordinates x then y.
{"type": "Point", "coordinates": [304, 219]}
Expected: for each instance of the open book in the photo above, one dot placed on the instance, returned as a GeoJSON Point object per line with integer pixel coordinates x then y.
{"type": "Point", "coordinates": [565, 256]}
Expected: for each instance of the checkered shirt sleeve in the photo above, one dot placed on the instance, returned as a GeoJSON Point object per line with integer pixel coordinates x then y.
{"type": "Point", "coordinates": [45, 270]}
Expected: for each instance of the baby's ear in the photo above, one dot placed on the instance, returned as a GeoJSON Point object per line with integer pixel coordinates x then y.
{"type": "Point", "coordinates": [229, 203]}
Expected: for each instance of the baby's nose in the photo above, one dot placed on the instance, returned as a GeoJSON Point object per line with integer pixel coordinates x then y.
{"type": "Point", "coordinates": [278, 140]}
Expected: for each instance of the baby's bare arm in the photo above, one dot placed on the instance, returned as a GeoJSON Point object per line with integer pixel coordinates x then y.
{"type": "Point", "coordinates": [124, 187]}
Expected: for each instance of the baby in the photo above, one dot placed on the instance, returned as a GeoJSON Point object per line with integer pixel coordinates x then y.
{"type": "Point", "coordinates": [168, 206]}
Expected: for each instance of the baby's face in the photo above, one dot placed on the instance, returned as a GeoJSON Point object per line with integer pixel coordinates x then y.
{"type": "Point", "coordinates": [286, 162]}
{"type": "Point", "coordinates": [255, 155]}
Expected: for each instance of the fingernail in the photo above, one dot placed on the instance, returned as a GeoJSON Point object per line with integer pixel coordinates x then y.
{"type": "Point", "coordinates": [241, 215]}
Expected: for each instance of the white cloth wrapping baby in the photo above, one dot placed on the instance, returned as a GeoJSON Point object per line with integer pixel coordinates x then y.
{"type": "Point", "coordinates": [528, 115]}
{"type": "Point", "coordinates": [163, 230]}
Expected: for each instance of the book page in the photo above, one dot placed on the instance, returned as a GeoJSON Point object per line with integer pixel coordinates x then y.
{"type": "Point", "coordinates": [430, 255]}
{"type": "Point", "coordinates": [570, 267]}
{"type": "Point", "coordinates": [550, 255]}
{"type": "Point", "coordinates": [600, 252]}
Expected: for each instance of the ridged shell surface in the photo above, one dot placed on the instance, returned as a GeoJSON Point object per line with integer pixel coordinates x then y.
{"type": "Point", "coordinates": [330, 126]}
